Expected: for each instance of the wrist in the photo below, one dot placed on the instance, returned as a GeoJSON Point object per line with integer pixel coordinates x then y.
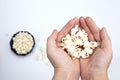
{"type": "Point", "coordinates": [96, 75]}
{"type": "Point", "coordinates": [63, 74]}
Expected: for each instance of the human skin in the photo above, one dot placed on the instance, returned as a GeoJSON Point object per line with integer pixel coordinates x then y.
{"type": "Point", "coordinates": [93, 68]}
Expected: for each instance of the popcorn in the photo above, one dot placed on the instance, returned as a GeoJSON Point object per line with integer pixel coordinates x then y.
{"type": "Point", "coordinates": [76, 43]}
{"type": "Point", "coordinates": [74, 30]}
{"type": "Point", "coordinates": [83, 54]}
{"type": "Point", "coordinates": [88, 50]}
{"type": "Point", "coordinates": [93, 44]}
{"type": "Point", "coordinates": [87, 44]}
{"type": "Point", "coordinates": [23, 42]}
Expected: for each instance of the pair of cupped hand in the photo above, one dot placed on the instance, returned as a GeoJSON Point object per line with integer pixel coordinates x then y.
{"type": "Point", "coordinates": [98, 62]}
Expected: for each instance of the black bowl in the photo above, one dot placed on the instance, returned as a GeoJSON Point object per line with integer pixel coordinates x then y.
{"type": "Point", "coordinates": [11, 43]}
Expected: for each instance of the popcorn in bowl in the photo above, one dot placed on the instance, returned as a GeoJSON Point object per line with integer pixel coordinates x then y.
{"type": "Point", "coordinates": [22, 43]}
{"type": "Point", "coordinates": [77, 45]}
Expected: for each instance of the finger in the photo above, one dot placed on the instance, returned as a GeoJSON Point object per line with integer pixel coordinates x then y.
{"type": "Point", "coordinates": [86, 28]}
{"type": "Point", "coordinates": [106, 42]}
{"type": "Point", "coordinates": [51, 41]}
{"type": "Point", "coordinates": [93, 28]}
{"type": "Point", "coordinates": [65, 30]}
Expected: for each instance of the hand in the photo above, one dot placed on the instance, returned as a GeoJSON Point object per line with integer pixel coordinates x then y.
{"type": "Point", "coordinates": [65, 67]}
{"type": "Point", "coordinates": [95, 67]}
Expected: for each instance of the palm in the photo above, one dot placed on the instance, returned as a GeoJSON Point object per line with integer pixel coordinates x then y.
{"type": "Point", "coordinates": [62, 60]}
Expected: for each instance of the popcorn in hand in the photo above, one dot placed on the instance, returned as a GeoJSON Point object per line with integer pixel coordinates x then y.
{"type": "Point", "coordinates": [76, 43]}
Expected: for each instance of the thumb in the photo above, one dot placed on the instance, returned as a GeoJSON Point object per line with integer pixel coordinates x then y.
{"type": "Point", "coordinates": [106, 42]}
{"type": "Point", "coordinates": [51, 41]}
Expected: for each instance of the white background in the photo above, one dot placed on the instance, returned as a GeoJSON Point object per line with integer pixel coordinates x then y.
{"type": "Point", "coordinates": [40, 17]}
